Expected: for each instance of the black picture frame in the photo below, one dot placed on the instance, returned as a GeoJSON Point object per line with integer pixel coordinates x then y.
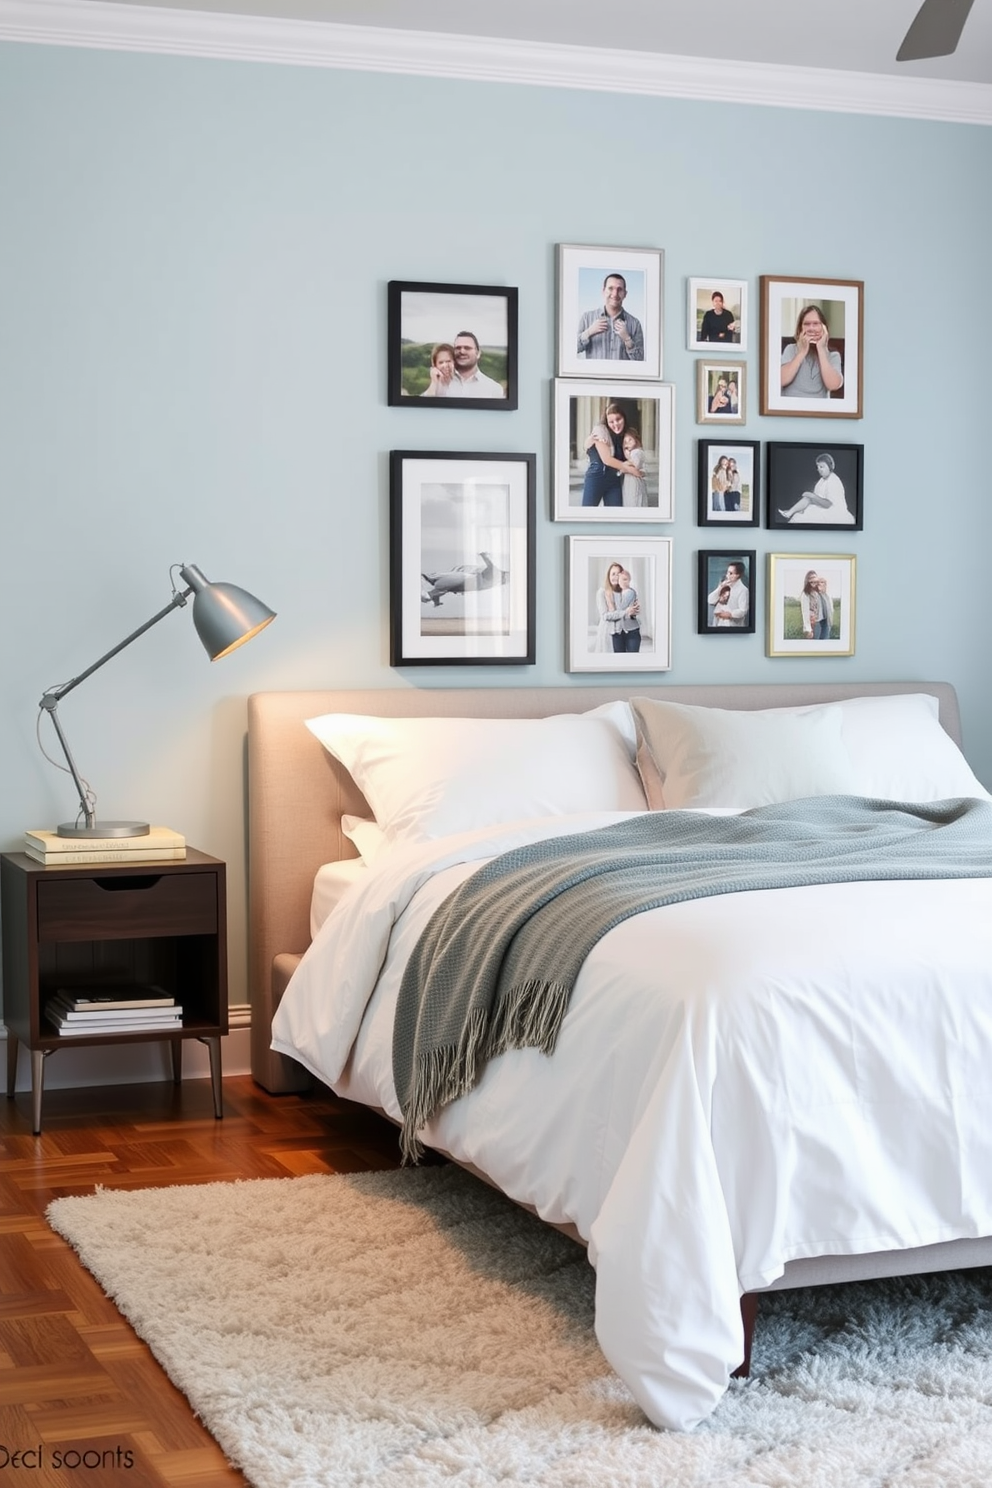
{"type": "Point", "coordinates": [424, 317]}
{"type": "Point", "coordinates": [794, 475]}
{"type": "Point", "coordinates": [712, 567]}
{"type": "Point", "coordinates": [746, 453]}
{"type": "Point", "coordinates": [462, 572]}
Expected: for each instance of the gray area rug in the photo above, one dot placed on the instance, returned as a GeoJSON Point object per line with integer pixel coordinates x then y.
{"type": "Point", "coordinates": [414, 1329]}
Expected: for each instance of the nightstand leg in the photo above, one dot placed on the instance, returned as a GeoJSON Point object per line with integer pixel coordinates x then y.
{"type": "Point", "coordinates": [11, 1064]}
{"type": "Point", "coordinates": [177, 1060]}
{"type": "Point", "coordinates": [213, 1046]}
{"type": "Point", "coordinates": [37, 1087]}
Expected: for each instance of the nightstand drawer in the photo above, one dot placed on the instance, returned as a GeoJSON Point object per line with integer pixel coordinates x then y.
{"type": "Point", "coordinates": [120, 906]}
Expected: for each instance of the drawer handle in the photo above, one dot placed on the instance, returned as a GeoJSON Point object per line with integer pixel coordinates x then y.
{"type": "Point", "coordinates": [114, 885]}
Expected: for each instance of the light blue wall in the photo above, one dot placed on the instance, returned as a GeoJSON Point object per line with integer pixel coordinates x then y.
{"type": "Point", "coordinates": [192, 328]}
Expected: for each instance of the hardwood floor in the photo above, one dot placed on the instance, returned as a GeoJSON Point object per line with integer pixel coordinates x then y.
{"type": "Point", "coordinates": [81, 1397]}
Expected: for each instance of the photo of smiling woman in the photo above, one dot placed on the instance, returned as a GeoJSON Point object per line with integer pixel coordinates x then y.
{"type": "Point", "coordinates": [619, 607]}
{"type": "Point", "coordinates": [811, 368]}
{"type": "Point", "coordinates": [614, 446]}
{"type": "Point", "coordinates": [811, 347]}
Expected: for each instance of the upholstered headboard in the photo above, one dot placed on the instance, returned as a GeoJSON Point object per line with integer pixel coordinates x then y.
{"type": "Point", "coordinates": [297, 795]}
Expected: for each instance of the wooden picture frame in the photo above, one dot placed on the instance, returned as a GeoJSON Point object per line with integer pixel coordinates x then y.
{"type": "Point", "coordinates": [462, 569]}
{"type": "Point", "coordinates": [647, 634]}
{"type": "Point", "coordinates": [725, 603]}
{"type": "Point", "coordinates": [789, 575]}
{"type": "Point", "coordinates": [647, 410]}
{"type": "Point", "coordinates": [795, 386]}
{"type": "Point", "coordinates": [451, 346]}
{"type": "Point", "coordinates": [721, 392]}
{"type": "Point", "coordinates": [815, 487]}
{"type": "Point", "coordinates": [728, 497]}
{"type": "Point", "coordinates": [610, 329]}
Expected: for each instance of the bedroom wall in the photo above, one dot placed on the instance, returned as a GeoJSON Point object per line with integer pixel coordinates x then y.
{"type": "Point", "coordinates": [192, 332]}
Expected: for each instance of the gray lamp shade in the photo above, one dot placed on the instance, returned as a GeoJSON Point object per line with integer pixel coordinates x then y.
{"type": "Point", "coordinates": [224, 615]}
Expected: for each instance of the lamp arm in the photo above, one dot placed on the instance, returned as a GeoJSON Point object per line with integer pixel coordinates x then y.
{"type": "Point", "coordinates": [54, 695]}
{"type": "Point", "coordinates": [51, 699]}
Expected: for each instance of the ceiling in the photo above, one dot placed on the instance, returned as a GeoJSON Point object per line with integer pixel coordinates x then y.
{"type": "Point", "coordinates": [841, 35]}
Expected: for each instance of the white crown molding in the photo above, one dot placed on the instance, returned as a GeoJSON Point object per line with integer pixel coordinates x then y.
{"type": "Point", "coordinates": [193, 33]}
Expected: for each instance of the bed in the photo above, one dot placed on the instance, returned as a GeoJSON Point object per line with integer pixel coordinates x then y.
{"type": "Point", "coordinates": [802, 1098]}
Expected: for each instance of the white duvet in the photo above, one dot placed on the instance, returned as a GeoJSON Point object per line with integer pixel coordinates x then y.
{"type": "Point", "coordinates": [740, 1081]}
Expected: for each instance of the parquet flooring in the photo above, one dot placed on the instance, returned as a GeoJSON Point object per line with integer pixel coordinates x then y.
{"type": "Point", "coordinates": [81, 1398]}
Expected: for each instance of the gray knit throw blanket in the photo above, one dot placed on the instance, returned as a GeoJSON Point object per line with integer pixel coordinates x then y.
{"type": "Point", "coordinates": [496, 963]}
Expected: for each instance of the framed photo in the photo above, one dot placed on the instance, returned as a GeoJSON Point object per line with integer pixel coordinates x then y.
{"type": "Point", "coordinates": [717, 315]}
{"type": "Point", "coordinates": [721, 392]}
{"type": "Point", "coordinates": [816, 486]}
{"type": "Point", "coordinates": [725, 592]}
{"type": "Point", "coordinates": [452, 346]}
{"type": "Point", "coordinates": [632, 422]}
{"type": "Point", "coordinates": [461, 558]}
{"type": "Point", "coordinates": [609, 311]}
{"type": "Point", "coordinates": [812, 339]}
{"type": "Point", "coordinates": [811, 604]}
{"type": "Point", "coordinates": [619, 604]}
{"type": "Point", "coordinates": [728, 479]}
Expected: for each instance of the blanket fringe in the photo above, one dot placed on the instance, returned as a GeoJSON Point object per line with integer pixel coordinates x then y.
{"type": "Point", "coordinates": [529, 1015]}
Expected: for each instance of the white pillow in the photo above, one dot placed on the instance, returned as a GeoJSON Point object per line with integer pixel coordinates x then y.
{"type": "Point", "coordinates": [690, 756]}
{"type": "Point", "coordinates": [890, 747]}
{"type": "Point", "coordinates": [367, 836]}
{"type": "Point", "coordinates": [901, 751]}
{"type": "Point", "coordinates": [428, 777]}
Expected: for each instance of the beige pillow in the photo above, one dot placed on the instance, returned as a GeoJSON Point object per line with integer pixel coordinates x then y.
{"type": "Point", "coordinates": [697, 757]}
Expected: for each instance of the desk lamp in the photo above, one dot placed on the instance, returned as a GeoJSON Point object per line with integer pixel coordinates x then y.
{"type": "Point", "coordinates": [225, 617]}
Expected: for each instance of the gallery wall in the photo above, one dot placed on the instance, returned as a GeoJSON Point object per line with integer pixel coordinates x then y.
{"type": "Point", "coordinates": [193, 360]}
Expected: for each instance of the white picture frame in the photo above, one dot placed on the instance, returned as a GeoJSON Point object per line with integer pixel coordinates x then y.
{"type": "Point", "coordinates": [701, 299]}
{"type": "Point", "coordinates": [649, 409]}
{"type": "Point", "coordinates": [649, 562]}
{"type": "Point", "coordinates": [582, 287]}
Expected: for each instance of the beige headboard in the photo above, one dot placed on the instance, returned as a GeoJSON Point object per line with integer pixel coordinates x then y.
{"type": "Point", "coordinates": [297, 794]}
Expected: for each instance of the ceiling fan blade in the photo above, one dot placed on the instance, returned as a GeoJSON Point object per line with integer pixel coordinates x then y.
{"type": "Point", "coordinates": [936, 30]}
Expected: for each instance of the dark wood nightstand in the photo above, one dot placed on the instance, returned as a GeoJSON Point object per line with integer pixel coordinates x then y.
{"type": "Point", "coordinates": [118, 924]}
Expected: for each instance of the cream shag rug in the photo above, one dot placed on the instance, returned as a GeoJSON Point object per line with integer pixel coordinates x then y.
{"type": "Point", "coordinates": [414, 1329]}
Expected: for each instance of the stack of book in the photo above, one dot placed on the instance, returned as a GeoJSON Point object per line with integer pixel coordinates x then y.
{"type": "Point", "coordinates": [55, 851]}
{"type": "Point", "coordinates": [88, 1011]}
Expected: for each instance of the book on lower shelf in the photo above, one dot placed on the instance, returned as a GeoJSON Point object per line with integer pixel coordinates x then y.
{"type": "Point", "coordinates": [52, 844]}
{"type": "Point", "coordinates": [80, 1030]}
{"type": "Point", "coordinates": [112, 999]}
{"type": "Point", "coordinates": [99, 1019]}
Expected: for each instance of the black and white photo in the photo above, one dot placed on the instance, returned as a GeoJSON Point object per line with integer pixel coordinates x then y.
{"type": "Point", "coordinates": [462, 578]}
{"type": "Point", "coordinates": [815, 486]}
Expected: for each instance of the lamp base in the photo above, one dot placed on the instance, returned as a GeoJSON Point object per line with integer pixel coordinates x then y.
{"type": "Point", "coordinates": [104, 829]}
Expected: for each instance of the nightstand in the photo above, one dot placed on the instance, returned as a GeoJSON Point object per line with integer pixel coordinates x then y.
{"type": "Point", "coordinates": [120, 924]}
